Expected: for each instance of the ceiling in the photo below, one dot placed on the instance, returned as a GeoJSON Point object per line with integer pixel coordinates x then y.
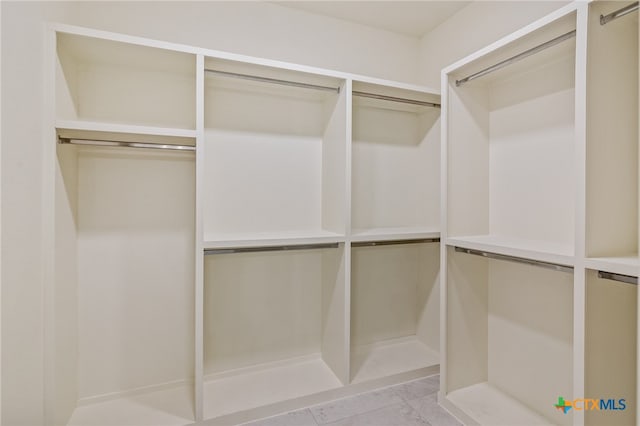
{"type": "Point", "coordinates": [412, 18]}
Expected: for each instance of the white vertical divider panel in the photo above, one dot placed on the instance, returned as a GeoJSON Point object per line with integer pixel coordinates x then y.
{"type": "Point", "coordinates": [199, 236]}
{"type": "Point", "coordinates": [444, 132]}
{"type": "Point", "coordinates": [579, 277]}
{"type": "Point", "coordinates": [336, 149]}
{"type": "Point", "coordinates": [48, 225]}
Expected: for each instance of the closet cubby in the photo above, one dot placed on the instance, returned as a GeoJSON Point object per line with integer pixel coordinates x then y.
{"type": "Point", "coordinates": [101, 81]}
{"type": "Point", "coordinates": [274, 156]}
{"type": "Point", "coordinates": [273, 327]}
{"type": "Point", "coordinates": [510, 142]}
{"type": "Point", "coordinates": [394, 308]}
{"type": "Point", "coordinates": [612, 141]}
{"type": "Point", "coordinates": [509, 340]}
{"type": "Point", "coordinates": [395, 163]}
{"type": "Point", "coordinates": [611, 348]}
{"type": "Point", "coordinates": [123, 286]}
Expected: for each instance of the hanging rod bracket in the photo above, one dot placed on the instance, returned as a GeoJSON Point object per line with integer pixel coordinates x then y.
{"type": "Point", "coordinates": [628, 279]}
{"type": "Point", "coordinates": [530, 262]}
{"type": "Point", "coordinates": [605, 19]}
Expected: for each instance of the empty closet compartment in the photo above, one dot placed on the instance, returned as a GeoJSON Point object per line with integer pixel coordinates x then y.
{"type": "Point", "coordinates": [121, 311]}
{"type": "Point", "coordinates": [275, 153]}
{"type": "Point", "coordinates": [395, 161]}
{"type": "Point", "coordinates": [510, 143]}
{"type": "Point", "coordinates": [611, 319]}
{"type": "Point", "coordinates": [106, 81]}
{"type": "Point", "coordinates": [612, 138]}
{"type": "Point", "coordinates": [394, 308]}
{"type": "Point", "coordinates": [274, 326]}
{"type": "Point", "coordinates": [509, 352]}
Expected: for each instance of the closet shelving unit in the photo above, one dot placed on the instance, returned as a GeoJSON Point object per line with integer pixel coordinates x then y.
{"type": "Point", "coordinates": [539, 137]}
{"type": "Point", "coordinates": [395, 231]}
{"type": "Point", "coordinates": [120, 301]}
{"type": "Point", "coordinates": [612, 209]}
{"type": "Point", "coordinates": [240, 261]}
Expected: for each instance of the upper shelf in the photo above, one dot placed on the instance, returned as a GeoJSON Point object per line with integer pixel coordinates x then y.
{"type": "Point", "coordinates": [100, 80]}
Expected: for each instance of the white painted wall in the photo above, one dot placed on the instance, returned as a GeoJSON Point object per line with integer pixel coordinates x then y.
{"type": "Point", "coordinates": [477, 25]}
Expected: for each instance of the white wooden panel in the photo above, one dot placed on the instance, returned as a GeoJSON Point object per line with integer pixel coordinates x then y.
{"type": "Point", "coordinates": [428, 296]}
{"type": "Point", "coordinates": [384, 287]}
{"type": "Point", "coordinates": [335, 311]}
{"type": "Point", "coordinates": [612, 133]}
{"type": "Point", "coordinates": [65, 309]}
{"type": "Point", "coordinates": [530, 337]}
{"type": "Point", "coordinates": [611, 343]}
{"type": "Point", "coordinates": [468, 161]}
{"type": "Point", "coordinates": [467, 320]}
{"type": "Point", "coordinates": [531, 160]}
{"type": "Point", "coordinates": [396, 154]}
{"type": "Point", "coordinates": [249, 185]}
{"type": "Point", "coordinates": [135, 257]}
{"type": "Point", "coordinates": [394, 295]}
{"type": "Point", "coordinates": [334, 163]}
{"type": "Point", "coordinates": [262, 307]}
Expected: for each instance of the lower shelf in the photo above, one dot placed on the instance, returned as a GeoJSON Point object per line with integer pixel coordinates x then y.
{"type": "Point", "coordinates": [256, 386]}
{"type": "Point", "coordinates": [390, 357]}
{"type": "Point", "coordinates": [626, 265]}
{"type": "Point", "coordinates": [167, 407]}
{"type": "Point", "coordinates": [487, 405]}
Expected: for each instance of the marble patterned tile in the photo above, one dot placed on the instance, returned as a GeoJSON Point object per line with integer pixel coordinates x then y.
{"type": "Point", "coordinates": [354, 405]}
{"type": "Point", "coordinates": [431, 411]}
{"type": "Point", "coordinates": [294, 418]}
{"type": "Point", "coordinates": [418, 388]}
{"type": "Point", "coordinates": [401, 414]}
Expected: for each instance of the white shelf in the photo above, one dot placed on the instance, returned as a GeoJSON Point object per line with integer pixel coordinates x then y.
{"type": "Point", "coordinates": [252, 387]}
{"type": "Point", "coordinates": [271, 239]}
{"type": "Point", "coordinates": [626, 265]}
{"type": "Point", "coordinates": [169, 407]}
{"type": "Point", "coordinates": [82, 128]}
{"type": "Point", "coordinates": [390, 357]}
{"type": "Point", "coordinates": [390, 234]}
{"type": "Point", "coordinates": [489, 406]}
{"type": "Point", "coordinates": [544, 251]}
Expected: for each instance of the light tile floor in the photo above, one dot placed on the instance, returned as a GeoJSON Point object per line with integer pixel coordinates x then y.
{"type": "Point", "coordinates": [407, 404]}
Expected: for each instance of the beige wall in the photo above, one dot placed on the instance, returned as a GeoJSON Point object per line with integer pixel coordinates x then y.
{"type": "Point", "coordinates": [472, 28]}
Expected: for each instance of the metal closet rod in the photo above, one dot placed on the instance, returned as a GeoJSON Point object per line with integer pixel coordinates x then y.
{"type": "Point", "coordinates": [273, 80]}
{"type": "Point", "coordinates": [211, 251]}
{"type": "Point", "coordinates": [394, 242]}
{"type": "Point", "coordinates": [395, 99]}
{"type": "Point", "coordinates": [105, 142]}
{"type": "Point", "coordinates": [605, 19]}
{"type": "Point", "coordinates": [629, 279]}
{"type": "Point", "coordinates": [546, 265]}
{"type": "Point", "coordinates": [518, 57]}
{"type": "Point", "coordinates": [318, 87]}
